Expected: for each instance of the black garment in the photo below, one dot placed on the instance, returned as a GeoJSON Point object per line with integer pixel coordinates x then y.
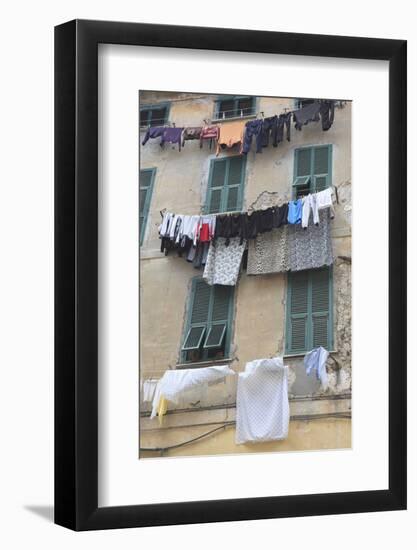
{"type": "Point", "coordinates": [253, 129]}
{"type": "Point", "coordinates": [250, 224]}
{"type": "Point", "coordinates": [284, 122]}
{"type": "Point", "coordinates": [326, 114]}
{"type": "Point", "coordinates": [200, 255]}
{"type": "Point", "coordinates": [280, 215]}
{"type": "Point", "coordinates": [269, 129]}
{"type": "Point", "coordinates": [309, 113]}
{"type": "Point", "coordinates": [265, 220]}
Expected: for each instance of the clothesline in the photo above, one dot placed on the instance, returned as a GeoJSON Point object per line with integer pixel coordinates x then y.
{"type": "Point", "coordinates": [260, 115]}
{"type": "Point", "coordinates": [229, 133]}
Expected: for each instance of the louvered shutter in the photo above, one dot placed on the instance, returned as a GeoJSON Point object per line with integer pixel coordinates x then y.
{"type": "Point", "coordinates": [321, 167]}
{"type": "Point", "coordinates": [298, 312]}
{"type": "Point", "coordinates": [216, 186]}
{"type": "Point", "coordinates": [225, 185]}
{"type": "Point", "coordinates": [145, 189]}
{"type": "Point", "coordinates": [320, 308]}
{"type": "Point", "coordinates": [303, 162]}
{"type": "Point", "coordinates": [200, 304]}
{"type": "Point", "coordinates": [234, 182]}
{"type": "Point", "coordinates": [218, 325]}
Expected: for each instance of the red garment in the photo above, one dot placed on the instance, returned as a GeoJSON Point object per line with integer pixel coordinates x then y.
{"type": "Point", "coordinates": [205, 236]}
{"type": "Point", "coordinates": [209, 132]}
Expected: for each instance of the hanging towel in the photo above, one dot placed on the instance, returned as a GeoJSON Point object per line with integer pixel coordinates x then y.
{"type": "Point", "coordinates": [316, 360]}
{"type": "Point", "coordinates": [174, 383]}
{"type": "Point", "coordinates": [231, 133]}
{"type": "Point", "coordinates": [148, 390]}
{"type": "Point", "coordinates": [268, 253]}
{"type": "Point", "coordinates": [262, 407]}
{"type": "Point", "coordinates": [223, 261]}
{"type": "Point", "coordinates": [310, 248]}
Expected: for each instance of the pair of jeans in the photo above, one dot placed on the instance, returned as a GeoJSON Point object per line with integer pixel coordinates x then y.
{"type": "Point", "coordinates": [253, 130]}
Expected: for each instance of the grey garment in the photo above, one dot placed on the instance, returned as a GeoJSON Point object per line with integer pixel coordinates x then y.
{"type": "Point", "coordinates": [268, 253]}
{"type": "Point", "coordinates": [311, 247]}
{"type": "Point", "coordinates": [223, 262]}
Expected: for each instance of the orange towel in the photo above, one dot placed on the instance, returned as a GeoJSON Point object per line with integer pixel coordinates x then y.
{"type": "Point", "coordinates": [230, 134]}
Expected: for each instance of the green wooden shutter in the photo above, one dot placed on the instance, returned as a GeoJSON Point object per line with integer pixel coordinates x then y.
{"type": "Point", "coordinates": [297, 312]}
{"type": "Point", "coordinates": [321, 167]}
{"type": "Point", "coordinates": [309, 310]}
{"type": "Point", "coordinates": [320, 308]}
{"type": "Point", "coordinates": [226, 181]}
{"type": "Point", "coordinates": [146, 179]}
{"type": "Point", "coordinates": [209, 320]}
{"type": "Point", "coordinates": [216, 185]}
{"type": "Point", "coordinates": [219, 316]}
{"type": "Point", "coordinates": [198, 317]}
{"type": "Point", "coordinates": [312, 169]}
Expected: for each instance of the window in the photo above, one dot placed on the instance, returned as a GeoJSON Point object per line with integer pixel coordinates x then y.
{"type": "Point", "coordinates": [225, 185]}
{"type": "Point", "coordinates": [309, 310]}
{"type": "Point", "coordinates": [208, 327]}
{"type": "Point", "coordinates": [146, 179]}
{"type": "Point", "coordinates": [235, 107]}
{"type": "Point", "coordinates": [154, 115]}
{"type": "Point", "coordinates": [302, 102]}
{"type": "Point", "coordinates": [312, 169]}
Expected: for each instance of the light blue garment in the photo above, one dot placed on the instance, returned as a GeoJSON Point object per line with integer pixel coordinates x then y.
{"type": "Point", "coordinates": [316, 360]}
{"type": "Point", "coordinates": [295, 211]}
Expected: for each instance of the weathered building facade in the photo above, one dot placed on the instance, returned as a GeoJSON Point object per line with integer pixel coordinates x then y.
{"type": "Point", "coordinates": [259, 320]}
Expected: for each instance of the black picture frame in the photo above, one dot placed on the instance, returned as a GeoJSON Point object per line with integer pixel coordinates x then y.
{"type": "Point", "coordinates": [76, 272]}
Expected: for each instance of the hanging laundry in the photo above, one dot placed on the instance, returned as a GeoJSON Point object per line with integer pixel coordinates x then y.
{"type": "Point", "coordinates": [148, 390]}
{"type": "Point", "coordinates": [324, 199]}
{"type": "Point", "coordinates": [152, 133]}
{"type": "Point", "coordinates": [191, 133]}
{"type": "Point", "coordinates": [309, 113]}
{"type": "Point", "coordinates": [262, 406]}
{"type": "Point", "coordinates": [283, 123]}
{"type": "Point", "coordinates": [209, 132]}
{"type": "Point", "coordinates": [295, 211]}
{"type": "Point", "coordinates": [206, 228]}
{"type": "Point", "coordinates": [309, 206]}
{"type": "Point", "coordinates": [253, 129]}
{"type": "Point", "coordinates": [268, 253]}
{"type": "Point", "coordinates": [269, 130]}
{"type": "Point", "coordinates": [223, 262]}
{"type": "Point", "coordinates": [311, 247]}
{"type": "Point", "coordinates": [172, 135]}
{"type": "Point", "coordinates": [174, 383]}
{"type": "Point", "coordinates": [326, 113]}
{"type": "Point", "coordinates": [315, 360]}
{"type": "Point", "coordinates": [280, 215]}
{"type": "Point", "coordinates": [230, 134]}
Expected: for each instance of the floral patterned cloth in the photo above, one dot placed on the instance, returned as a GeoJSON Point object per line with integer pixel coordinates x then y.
{"type": "Point", "coordinates": [268, 253]}
{"type": "Point", "coordinates": [223, 261]}
{"type": "Point", "coordinates": [311, 247]}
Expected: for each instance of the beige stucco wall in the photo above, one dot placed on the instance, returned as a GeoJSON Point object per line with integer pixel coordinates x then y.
{"type": "Point", "coordinates": [259, 322]}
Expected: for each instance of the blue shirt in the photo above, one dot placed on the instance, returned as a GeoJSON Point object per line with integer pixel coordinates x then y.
{"type": "Point", "coordinates": [295, 210]}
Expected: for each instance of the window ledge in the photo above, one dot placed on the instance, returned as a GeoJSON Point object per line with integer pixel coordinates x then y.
{"type": "Point", "coordinates": [204, 363]}
{"type": "Point", "coordinates": [232, 119]}
{"type": "Point", "coordinates": [295, 355]}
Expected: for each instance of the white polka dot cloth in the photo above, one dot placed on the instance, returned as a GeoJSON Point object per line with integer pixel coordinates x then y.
{"type": "Point", "coordinates": [262, 407]}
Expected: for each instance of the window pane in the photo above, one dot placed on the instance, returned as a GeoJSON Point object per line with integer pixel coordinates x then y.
{"type": "Point", "coordinates": [320, 290]}
{"type": "Point", "coordinates": [215, 201]}
{"type": "Point", "coordinates": [299, 293]}
{"type": "Point", "coordinates": [232, 199]}
{"type": "Point", "coordinates": [144, 118]}
{"type": "Point", "coordinates": [245, 106]}
{"type": "Point", "coordinates": [320, 331]}
{"type": "Point", "coordinates": [227, 108]}
{"type": "Point", "coordinates": [158, 117]}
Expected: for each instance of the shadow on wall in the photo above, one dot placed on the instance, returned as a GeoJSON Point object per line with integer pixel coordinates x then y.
{"type": "Point", "coordinates": [45, 512]}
